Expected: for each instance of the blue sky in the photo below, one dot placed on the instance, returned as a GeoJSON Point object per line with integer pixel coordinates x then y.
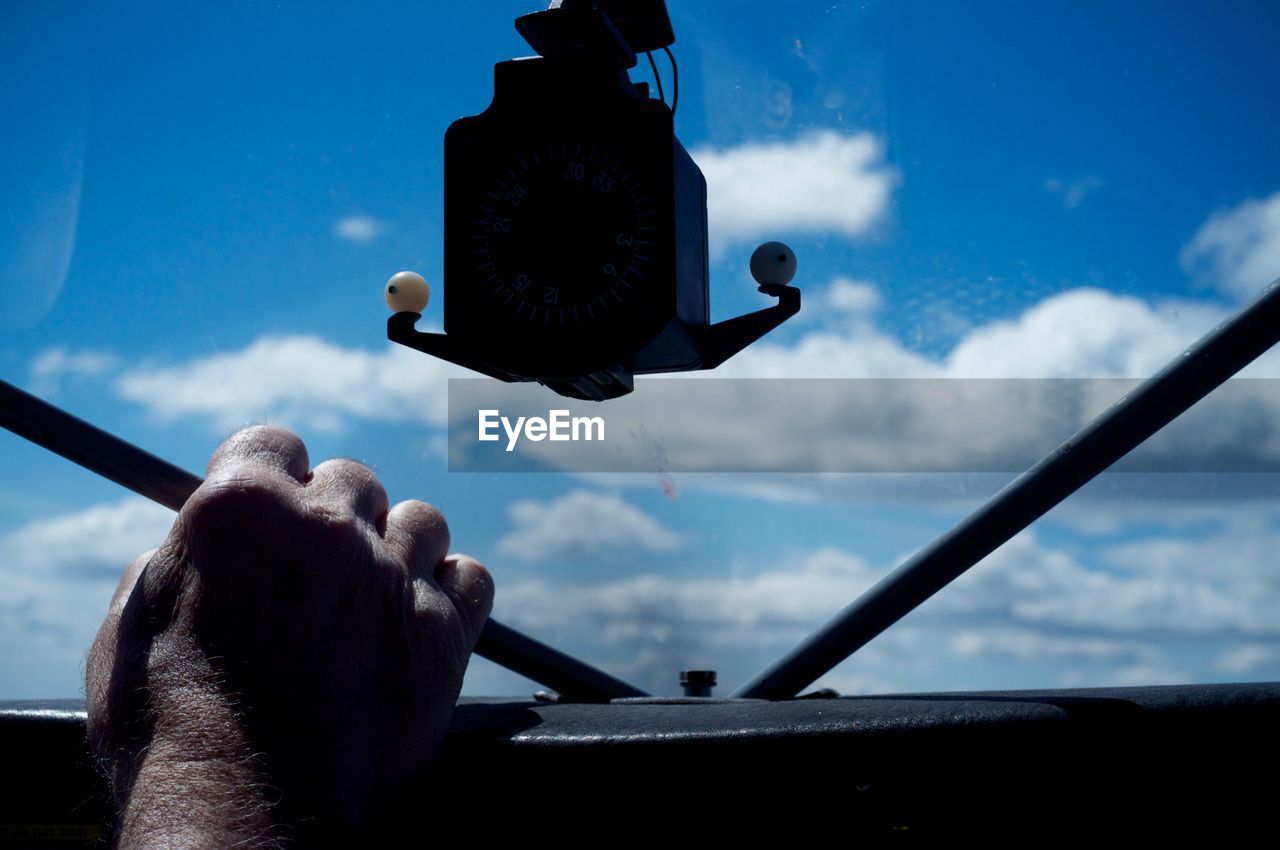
{"type": "Point", "coordinates": [202, 203]}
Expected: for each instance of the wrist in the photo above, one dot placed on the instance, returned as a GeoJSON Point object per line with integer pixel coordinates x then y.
{"type": "Point", "coordinates": [181, 799]}
{"type": "Point", "coordinates": [194, 779]}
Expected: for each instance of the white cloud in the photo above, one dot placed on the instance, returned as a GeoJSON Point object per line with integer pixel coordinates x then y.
{"type": "Point", "coordinates": [1093, 616]}
{"type": "Point", "coordinates": [359, 228]}
{"type": "Point", "coordinates": [680, 619]}
{"type": "Point", "coordinates": [1083, 333]}
{"type": "Point", "coordinates": [1032, 586]}
{"type": "Point", "coordinates": [305, 382]}
{"type": "Point", "coordinates": [296, 381]}
{"type": "Point", "coordinates": [1238, 249]}
{"type": "Point", "coordinates": [1247, 658]}
{"type": "Point", "coordinates": [58, 575]}
{"type": "Point", "coordinates": [942, 425]}
{"type": "Point", "coordinates": [1138, 675]}
{"type": "Point", "coordinates": [820, 183]}
{"type": "Point", "coordinates": [1023, 644]}
{"type": "Point", "coordinates": [1073, 192]}
{"type": "Point", "coordinates": [54, 365]}
{"type": "Point", "coordinates": [1027, 610]}
{"type": "Point", "coordinates": [102, 537]}
{"type": "Point", "coordinates": [1080, 333]}
{"type": "Point", "coordinates": [858, 351]}
{"type": "Point", "coordinates": [857, 297]}
{"type": "Point", "coordinates": [582, 523]}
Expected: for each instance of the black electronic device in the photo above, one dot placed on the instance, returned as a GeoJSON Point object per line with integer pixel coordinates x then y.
{"type": "Point", "coordinates": [575, 222]}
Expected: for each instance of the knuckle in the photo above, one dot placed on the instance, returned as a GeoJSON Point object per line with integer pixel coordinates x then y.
{"type": "Point", "coordinates": [422, 518]}
{"type": "Point", "coordinates": [348, 472]}
{"type": "Point", "coordinates": [258, 439]}
{"type": "Point", "coordinates": [481, 576]}
{"type": "Point", "coordinates": [263, 445]}
{"type": "Point", "coordinates": [333, 528]}
{"type": "Point", "coordinates": [243, 497]}
{"type": "Point", "coordinates": [468, 582]}
{"type": "Point", "coordinates": [349, 477]}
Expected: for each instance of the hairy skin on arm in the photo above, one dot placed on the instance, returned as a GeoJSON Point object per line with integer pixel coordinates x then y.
{"type": "Point", "coordinates": [291, 653]}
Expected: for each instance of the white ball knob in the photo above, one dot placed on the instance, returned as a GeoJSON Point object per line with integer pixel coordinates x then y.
{"type": "Point", "coordinates": [773, 263]}
{"type": "Point", "coordinates": [407, 292]}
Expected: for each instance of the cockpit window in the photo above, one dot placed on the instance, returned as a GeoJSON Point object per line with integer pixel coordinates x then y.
{"type": "Point", "coordinates": [202, 204]}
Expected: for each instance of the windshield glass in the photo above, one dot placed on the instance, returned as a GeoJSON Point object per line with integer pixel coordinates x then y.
{"type": "Point", "coordinates": [203, 201]}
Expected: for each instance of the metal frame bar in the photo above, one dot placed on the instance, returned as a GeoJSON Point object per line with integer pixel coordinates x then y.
{"type": "Point", "coordinates": [157, 479]}
{"type": "Point", "coordinates": [1213, 359]}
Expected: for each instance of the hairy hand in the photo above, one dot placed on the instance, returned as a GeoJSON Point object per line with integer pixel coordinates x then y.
{"type": "Point", "coordinates": [292, 635]}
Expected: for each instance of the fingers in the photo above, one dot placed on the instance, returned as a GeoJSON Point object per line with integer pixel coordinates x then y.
{"type": "Point", "coordinates": [469, 587]}
{"type": "Point", "coordinates": [261, 446]}
{"type": "Point", "coordinates": [414, 531]}
{"type": "Point", "coordinates": [353, 486]}
{"type": "Point", "coordinates": [419, 535]}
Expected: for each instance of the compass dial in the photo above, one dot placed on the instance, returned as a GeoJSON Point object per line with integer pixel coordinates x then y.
{"type": "Point", "coordinates": [564, 235]}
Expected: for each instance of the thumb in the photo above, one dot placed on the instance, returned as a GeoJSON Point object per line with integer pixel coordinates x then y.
{"type": "Point", "coordinates": [469, 586]}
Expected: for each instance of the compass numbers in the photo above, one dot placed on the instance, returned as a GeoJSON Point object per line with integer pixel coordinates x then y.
{"type": "Point", "coordinates": [564, 233]}
{"type": "Point", "coordinates": [603, 182]}
{"type": "Point", "coordinates": [516, 194]}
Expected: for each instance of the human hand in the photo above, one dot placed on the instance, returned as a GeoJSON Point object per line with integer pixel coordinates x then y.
{"type": "Point", "coordinates": [292, 637]}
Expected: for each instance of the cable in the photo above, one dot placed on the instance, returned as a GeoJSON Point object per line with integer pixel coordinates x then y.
{"type": "Point", "coordinates": [675, 80]}
{"type": "Point", "coordinates": [656, 78]}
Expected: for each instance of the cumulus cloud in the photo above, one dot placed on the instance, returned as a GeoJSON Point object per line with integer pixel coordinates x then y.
{"type": "Point", "coordinates": [1028, 608]}
{"type": "Point", "coordinates": [1248, 658]}
{"type": "Point", "coordinates": [1029, 645]}
{"type": "Point", "coordinates": [1030, 585]}
{"type": "Point", "coordinates": [55, 365]}
{"type": "Point", "coordinates": [924, 419]}
{"type": "Point", "coordinates": [856, 297]}
{"type": "Point", "coordinates": [824, 182]}
{"type": "Point", "coordinates": [297, 381]}
{"type": "Point", "coordinates": [305, 382]}
{"type": "Point", "coordinates": [1095, 614]}
{"type": "Point", "coordinates": [650, 626]}
{"type": "Point", "coordinates": [102, 538]}
{"type": "Point", "coordinates": [1080, 333]}
{"type": "Point", "coordinates": [1238, 249]}
{"type": "Point", "coordinates": [359, 228]}
{"type": "Point", "coordinates": [1083, 333]}
{"type": "Point", "coordinates": [858, 350]}
{"type": "Point", "coordinates": [58, 576]}
{"type": "Point", "coordinates": [582, 523]}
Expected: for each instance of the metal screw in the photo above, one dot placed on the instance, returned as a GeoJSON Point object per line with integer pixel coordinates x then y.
{"type": "Point", "coordinates": [697, 683]}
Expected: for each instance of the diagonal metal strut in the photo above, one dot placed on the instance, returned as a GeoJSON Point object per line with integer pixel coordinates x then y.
{"type": "Point", "coordinates": [1213, 359]}
{"type": "Point", "coordinates": [162, 482]}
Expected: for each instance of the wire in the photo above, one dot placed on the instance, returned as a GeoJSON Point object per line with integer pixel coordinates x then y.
{"type": "Point", "coordinates": [675, 80]}
{"type": "Point", "coordinates": [656, 78]}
